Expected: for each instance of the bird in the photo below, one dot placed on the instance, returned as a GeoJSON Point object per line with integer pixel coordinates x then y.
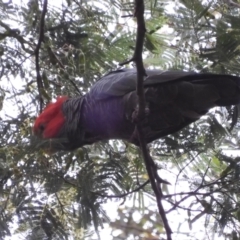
{"type": "Point", "coordinates": [174, 99]}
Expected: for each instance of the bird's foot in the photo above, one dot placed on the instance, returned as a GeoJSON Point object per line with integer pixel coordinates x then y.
{"type": "Point", "coordinates": [140, 118]}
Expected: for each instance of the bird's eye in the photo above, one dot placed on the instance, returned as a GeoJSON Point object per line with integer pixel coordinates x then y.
{"type": "Point", "coordinates": [41, 127]}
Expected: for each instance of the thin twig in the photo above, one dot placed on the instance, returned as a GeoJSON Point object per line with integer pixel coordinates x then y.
{"type": "Point", "coordinates": [125, 194]}
{"type": "Point", "coordinates": [15, 33]}
{"type": "Point", "coordinates": [40, 40]}
{"type": "Point", "coordinates": [60, 203]}
{"type": "Point", "coordinates": [232, 3]}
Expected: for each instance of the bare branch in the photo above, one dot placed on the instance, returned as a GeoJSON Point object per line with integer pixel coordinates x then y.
{"type": "Point", "coordinates": [139, 114]}
{"type": "Point", "coordinates": [15, 33]}
{"type": "Point", "coordinates": [125, 194]}
{"type": "Point", "coordinates": [40, 40]}
{"type": "Point", "coordinates": [232, 3]}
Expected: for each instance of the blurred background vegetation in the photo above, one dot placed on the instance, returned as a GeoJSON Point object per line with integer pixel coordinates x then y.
{"type": "Point", "coordinates": [96, 191]}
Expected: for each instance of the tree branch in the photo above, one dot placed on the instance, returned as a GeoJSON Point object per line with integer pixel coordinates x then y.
{"type": "Point", "coordinates": [232, 3]}
{"type": "Point", "coordinates": [40, 40]}
{"type": "Point", "coordinates": [127, 193]}
{"type": "Point", "coordinates": [139, 114]}
{"type": "Point", "coordinates": [15, 33]}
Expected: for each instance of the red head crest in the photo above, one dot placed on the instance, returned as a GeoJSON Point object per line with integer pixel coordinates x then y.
{"type": "Point", "coordinates": [50, 121]}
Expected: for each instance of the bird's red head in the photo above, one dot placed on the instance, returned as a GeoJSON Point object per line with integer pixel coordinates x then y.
{"type": "Point", "coordinates": [50, 121]}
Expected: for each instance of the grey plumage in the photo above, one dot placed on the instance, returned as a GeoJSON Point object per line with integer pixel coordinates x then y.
{"type": "Point", "coordinates": [174, 98]}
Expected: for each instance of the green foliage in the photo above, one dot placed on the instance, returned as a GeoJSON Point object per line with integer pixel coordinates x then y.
{"type": "Point", "coordinates": [59, 196]}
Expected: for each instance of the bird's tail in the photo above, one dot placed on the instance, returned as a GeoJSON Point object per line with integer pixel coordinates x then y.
{"type": "Point", "coordinates": [225, 88]}
{"type": "Point", "coordinates": [178, 103]}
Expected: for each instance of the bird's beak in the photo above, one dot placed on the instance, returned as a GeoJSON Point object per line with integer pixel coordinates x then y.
{"type": "Point", "coordinates": [37, 132]}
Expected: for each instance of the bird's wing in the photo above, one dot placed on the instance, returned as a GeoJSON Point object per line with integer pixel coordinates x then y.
{"type": "Point", "coordinates": [121, 82]}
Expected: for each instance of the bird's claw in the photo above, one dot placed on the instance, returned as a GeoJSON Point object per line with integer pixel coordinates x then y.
{"type": "Point", "coordinates": [136, 118]}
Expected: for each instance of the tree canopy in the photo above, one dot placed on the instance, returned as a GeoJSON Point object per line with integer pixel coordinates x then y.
{"type": "Point", "coordinates": [54, 49]}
